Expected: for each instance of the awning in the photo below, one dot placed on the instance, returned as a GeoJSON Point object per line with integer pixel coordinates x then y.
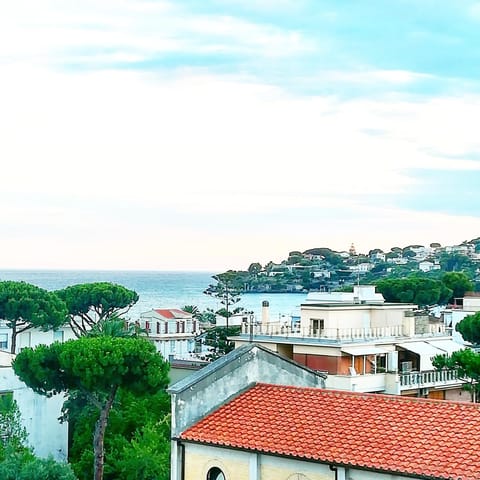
{"type": "Point", "coordinates": [364, 350]}
{"type": "Point", "coordinates": [449, 346]}
{"type": "Point", "coordinates": [426, 352]}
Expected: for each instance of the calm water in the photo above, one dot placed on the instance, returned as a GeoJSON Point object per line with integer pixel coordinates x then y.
{"type": "Point", "coordinates": [158, 289]}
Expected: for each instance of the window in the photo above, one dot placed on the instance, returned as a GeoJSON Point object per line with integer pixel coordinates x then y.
{"type": "Point", "coordinates": [317, 326]}
{"type": "Point", "coordinates": [3, 341]}
{"type": "Point", "coordinates": [215, 474]}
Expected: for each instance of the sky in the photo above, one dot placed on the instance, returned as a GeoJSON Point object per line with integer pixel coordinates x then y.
{"type": "Point", "coordinates": [207, 135]}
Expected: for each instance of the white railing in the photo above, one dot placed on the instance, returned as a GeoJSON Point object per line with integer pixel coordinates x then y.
{"type": "Point", "coordinates": [281, 329]}
{"type": "Point", "coordinates": [428, 378]}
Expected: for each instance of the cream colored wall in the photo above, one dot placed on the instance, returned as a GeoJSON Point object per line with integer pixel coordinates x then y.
{"type": "Point", "coordinates": [333, 318]}
{"type": "Point", "coordinates": [239, 465]}
{"type": "Point", "coordinates": [199, 459]}
{"type": "Point", "coordinates": [277, 468]}
{"type": "Point", "coordinates": [458, 395]}
{"type": "Point", "coordinates": [387, 318]}
{"type": "Point", "coordinates": [317, 350]}
{"type": "Point", "coordinates": [356, 317]}
{"type": "Point", "coordinates": [471, 303]}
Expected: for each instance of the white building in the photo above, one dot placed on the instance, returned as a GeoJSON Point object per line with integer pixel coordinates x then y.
{"type": "Point", "coordinates": [236, 320]}
{"type": "Point", "coordinates": [172, 331]}
{"type": "Point", "coordinates": [427, 266]}
{"type": "Point", "coordinates": [364, 344]}
{"type": "Point", "coordinates": [39, 414]}
{"type": "Point", "coordinates": [33, 337]}
{"type": "Point", "coordinates": [378, 257]}
{"type": "Point", "coordinates": [469, 305]}
{"type": "Point", "coordinates": [361, 267]}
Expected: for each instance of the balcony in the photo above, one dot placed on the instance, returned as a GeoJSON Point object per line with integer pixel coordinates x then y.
{"type": "Point", "coordinates": [430, 378]}
{"type": "Point", "coordinates": [336, 335]}
{"type": "Point", "coordinates": [357, 383]}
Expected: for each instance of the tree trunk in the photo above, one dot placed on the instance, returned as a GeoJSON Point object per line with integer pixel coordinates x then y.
{"type": "Point", "coordinates": [99, 436]}
{"type": "Point", "coordinates": [13, 346]}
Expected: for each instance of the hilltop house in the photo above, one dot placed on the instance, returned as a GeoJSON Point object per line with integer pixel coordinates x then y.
{"type": "Point", "coordinates": [427, 266]}
{"type": "Point", "coordinates": [241, 418]}
{"type": "Point", "coordinates": [364, 344]}
{"type": "Point", "coordinates": [39, 414]}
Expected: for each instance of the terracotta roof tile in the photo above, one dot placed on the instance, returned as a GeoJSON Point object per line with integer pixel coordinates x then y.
{"type": "Point", "coordinates": [437, 438]}
{"type": "Point", "coordinates": [171, 312]}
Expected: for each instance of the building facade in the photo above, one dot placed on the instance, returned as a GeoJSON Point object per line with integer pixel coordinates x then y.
{"type": "Point", "coordinates": [172, 331]}
{"type": "Point", "coordinates": [364, 344]}
{"type": "Point", "coordinates": [227, 426]}
{"type": "Point", "coordinates": [39, 414]}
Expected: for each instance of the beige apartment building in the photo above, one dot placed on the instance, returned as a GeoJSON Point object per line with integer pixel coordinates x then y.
{"type": "Point", "coordinates": [364, 344]}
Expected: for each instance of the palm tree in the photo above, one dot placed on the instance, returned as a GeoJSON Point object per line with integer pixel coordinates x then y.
{"type": "Point", "coordinates": [115, 326]}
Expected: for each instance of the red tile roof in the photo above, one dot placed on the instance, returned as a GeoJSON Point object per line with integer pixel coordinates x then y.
{"type": "Point", "coordinates": [172, 313]}
{"type": "Point", "coordinates": [432, 438]}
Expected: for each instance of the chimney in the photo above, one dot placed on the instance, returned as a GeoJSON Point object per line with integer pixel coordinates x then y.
{"type": "Point", "coordinates": [265, 312]}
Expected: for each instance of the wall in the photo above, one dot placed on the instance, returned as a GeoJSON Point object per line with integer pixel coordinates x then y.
{"type": "Point", "coordinates": [422, 324]}
{"type": "Point", "coordinates": [357, 383]}
{"type": "Point", "coordinates": [354, 316]}
{"type": "Point", "coordinates": [387, 317]}
{"type": "Point", "coordinates": [471, 303]}
{"type": "Point", "coordinates": [457, 395]}
{"type": "Point", "coordinates": [318, 362]}
{"type": "Point", "coordinates": [213, 385]}
{"type": "Point", "coordinates": [34, 337]}
{"type": "Point", "coordinates": [39, 416]}
{"type": "Point", "coordinates": [219, 381]}
{"type": "Point", "coordinates": [239, 465]}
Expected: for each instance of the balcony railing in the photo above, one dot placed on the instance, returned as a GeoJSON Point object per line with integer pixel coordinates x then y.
{"type": "Point", "coordinates": [428, 378]}
{"type": "Point", "coordinates": [357, 383]}
{"type": "Point", "coordinates": [340, 334]}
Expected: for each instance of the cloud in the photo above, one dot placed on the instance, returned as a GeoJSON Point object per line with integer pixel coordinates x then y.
{"type": "Point", "coordinates": [107, 133]}
{"type": "Point", "coordinates": [375, 77]}
{"type": "Point", "coordinates": [134, 132]}
{"type": "Point", "coordinates": [93, 34]}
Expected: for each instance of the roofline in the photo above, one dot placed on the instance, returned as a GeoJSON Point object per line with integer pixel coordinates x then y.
{"type": "Point", "coordinates": [235, 354]}
{"type": "Point", "coordinates": [310, 460]}
{"type": "Point", "coordinates": [405, 306]}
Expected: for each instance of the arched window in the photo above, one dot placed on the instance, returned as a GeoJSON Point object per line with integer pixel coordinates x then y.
{"type": "Point", "coordinates": [215, 474]}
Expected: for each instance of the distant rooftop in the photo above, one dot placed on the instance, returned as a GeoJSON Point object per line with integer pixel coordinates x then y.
{"type": "Point", "coordinates": [360, 294]}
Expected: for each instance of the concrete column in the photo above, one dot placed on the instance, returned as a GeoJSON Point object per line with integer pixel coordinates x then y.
{"type": "Point", "coordinates": [254, 466]}
{"type": "Point", "coordinates": [409, 326]}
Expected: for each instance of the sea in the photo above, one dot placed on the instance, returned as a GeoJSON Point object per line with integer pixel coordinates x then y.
{"type": "Point", "coordinates": [160, 289]}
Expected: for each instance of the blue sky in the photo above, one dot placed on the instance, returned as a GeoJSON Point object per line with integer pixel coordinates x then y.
{"type": "Point", "coordinates": [208, 135]}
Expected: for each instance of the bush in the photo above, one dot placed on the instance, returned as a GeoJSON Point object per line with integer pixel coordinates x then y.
{"type": "Point", "coordinates": [23, 465]}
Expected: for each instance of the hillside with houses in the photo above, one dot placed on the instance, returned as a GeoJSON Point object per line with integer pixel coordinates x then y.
{"type": "Point", "coordinates": [324, 269]}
